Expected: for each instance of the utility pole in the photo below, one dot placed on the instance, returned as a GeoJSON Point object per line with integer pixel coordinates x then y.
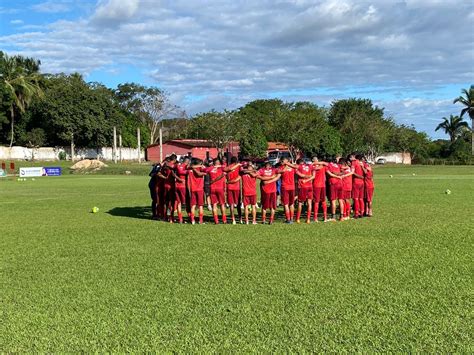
{"type": "Point", "coordinates": [114, 150]}
{"type": "Point", "coordinates": [139, 146]}
{"type": "Point", "coordinates": [120, 147]}
{"type": "Point", "coordinates": [161, 144]}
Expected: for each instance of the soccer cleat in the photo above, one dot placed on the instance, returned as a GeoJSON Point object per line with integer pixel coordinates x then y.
{"type": "Point", "coordinates": [234, 222]}
{"type": "Point", "coordinates": [308, 221]}
{"type": "Point", "coordinates": [298, 221]}
{"type": "Point", "coordinates": [193, 223]}
{"type": "Point", "coordinates": [254, 222]}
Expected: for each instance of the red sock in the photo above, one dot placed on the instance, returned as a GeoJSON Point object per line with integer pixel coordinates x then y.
{"type": "Point", "coordinates": [287, 215]}
{"type": "Point", "coordinates": [201, 216]}
{"type": "Point", "coordinates": [325, 210]}
{"type": "Point", "coordinates": [191, 217]}
{"type": "Point", "coordinates": [271, 219]}
{"type": "Point", "coordinates": [216, 218]}
{"type": "Point", "coordinates": [348, 209]}
{"type": "Point", "coordinates": [224, 218]}
{"type": "Point", "coordinates": [316, 206]}
{"type": "Point", "coordinates": [298, 215]}
{"type": "Point", "coordinates": [180, 217]}
{"type": "Point", "coordinates": [362, 206]}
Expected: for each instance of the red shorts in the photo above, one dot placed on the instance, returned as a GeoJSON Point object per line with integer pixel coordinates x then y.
{"type": "Point", "coordinates": [250, 200]}
{"type": "Point", "coordinates": [197, 198]}
{"type": "Point", "coordinates": [180, 195]}
{"type": "Point", "coordinates": [335, 191]}
{"type": "Point", "coordinates": [369, 193]}
{"type": "Point", "coordinates": [346, 194]}
{"type": "Point", "coordinates": [319, 194]}
{"type": "Point", "coordinates": [269, 200]}
{"type": "Point", "coordinates": [217, 196]}
{"type": "Point", "coordinates": [287, 196]}
{"type": "Point", "coordinates": [358, 191]}
{"type": "Point", "coordinates": [305, 193]}
{"type": "Point", "coordinates": [233, 197]}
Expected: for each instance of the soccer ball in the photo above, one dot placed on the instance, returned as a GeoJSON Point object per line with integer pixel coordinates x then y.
{"type": "Point", "coordinates": [448, 192]}
{"type": "Point", "coordinates": [391, 176]}
{"type": "Point", "coordinates": [95, 209]}
{"type": "Point", "coordinates": [33, 179]}
{"type": "Point", "coordinates": [414, 174]}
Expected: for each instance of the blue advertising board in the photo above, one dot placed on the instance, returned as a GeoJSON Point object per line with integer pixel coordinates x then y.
{"type": "Point", "coordinates": [52, 171]}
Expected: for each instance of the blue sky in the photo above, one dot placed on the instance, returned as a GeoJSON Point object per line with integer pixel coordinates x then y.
{"type": "Point", "coordinates": [411, 57]}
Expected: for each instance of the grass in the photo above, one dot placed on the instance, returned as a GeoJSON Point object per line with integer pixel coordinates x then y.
{"type": "Point", "coordinates": [117, 281]}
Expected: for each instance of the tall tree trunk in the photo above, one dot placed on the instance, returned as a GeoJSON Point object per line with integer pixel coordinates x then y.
{"type": "Point", "coordinates": [12, 124]}
{"type": "Point", "coordinates": [472, 136]}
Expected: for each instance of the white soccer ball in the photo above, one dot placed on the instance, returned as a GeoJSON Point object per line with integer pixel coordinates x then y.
{"type": "Point", "coordinates": [413, 174]}
{"type": "Point", "coordinates": [448, 192]}
{"type": "Point", "coordinates": [391, 176]}
{"type": "Point", "coordinates": [33, 179]}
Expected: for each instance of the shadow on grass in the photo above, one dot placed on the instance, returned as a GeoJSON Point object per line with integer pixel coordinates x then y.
{"type": "Point", "coordinates": [140, 212]}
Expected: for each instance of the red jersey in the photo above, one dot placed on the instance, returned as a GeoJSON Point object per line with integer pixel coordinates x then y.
{"type": "Point", "coordinates": [232, 175]}
{"type": "Point", "coordinates": [167, 172]}
{"type": "Point", "coordinates": [369, 178]}
{"type": "Point", "coordinates": [320, 177]}
{"type": "Point", "coordinates": [335, 169]}
{"type": "Point", "coordinates": [305, 169]}
{"type": "Point", "coordinates": [214, 172]}
{"type": "Point", "coordinates": [196, 183]}
{"type": "Point", "coordinates": [249, 185]}
{"type": "Point", "coordinates": [358, 170]}
{"type": "Point", "coordinates": [287, 177]}
{"type": "Point", "coordinates": [347, 181]}
{"type": "Point", "coordinates": [181, 171]}
{"type": "Point", "coordinates": [268, 188]}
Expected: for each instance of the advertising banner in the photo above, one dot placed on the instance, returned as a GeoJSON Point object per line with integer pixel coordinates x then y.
{"type": "Point", "coordinates": [31, 172]}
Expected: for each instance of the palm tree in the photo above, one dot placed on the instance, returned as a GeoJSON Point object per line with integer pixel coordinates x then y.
{"type": "Point", "coordinates": [468, 101]}
{"type": "Point", "coordinates": [21, 81]}
{"type": "Point", "coordinates": [453, 126]}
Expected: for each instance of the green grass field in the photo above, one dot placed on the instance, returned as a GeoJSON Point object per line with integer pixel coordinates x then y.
{"type": "Point", "coordinates": [117, 281]}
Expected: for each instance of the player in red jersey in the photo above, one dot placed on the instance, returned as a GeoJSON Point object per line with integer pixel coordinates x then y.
{"type": "Point", "coordinates": [358, 185]}
{"type": "Point", "coordinates": [319, 188]}
{"type": "Point", "coordinates": [287, 172]}
{"type": "Point", "coordinates": [249, 191]}
{"type": "Point", "coordinates": [217, 189]}
{"type": "Point", "coordinates": [154, 192]}
{"type": "Point", "coordinates": [347, 172]}
{"type": "Point", "coordinates": [269, 177]}
{"type": "Point", "coordinates": [369, 187]}
{"type": "Point", "coordinates": [181, 172]}
{"type": "Point", "coordinates": [335, 188]}
{"type": "Point", "coordinates": [168, 187]}
{"type": "Point", "coordinates": [306, 175]}
{"type": "Point", "coordinates": [233, 188]}
{"type": "Point", "coordinates": [196, 189]}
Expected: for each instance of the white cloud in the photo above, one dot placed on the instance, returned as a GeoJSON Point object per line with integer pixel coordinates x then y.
{"type": "Point", "coordinates": [16, 22]}
{"type": "Point", "coordinates": [114, 11]}
{"type": "Point", "coordinates": [52, 6]}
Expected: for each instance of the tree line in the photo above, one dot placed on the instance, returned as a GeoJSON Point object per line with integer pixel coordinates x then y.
{"type": "Point", "coordinates": [55, 110]}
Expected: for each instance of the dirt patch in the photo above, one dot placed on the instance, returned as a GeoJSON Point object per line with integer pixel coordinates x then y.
{"type": "Point", "coordinates": [88, 165]}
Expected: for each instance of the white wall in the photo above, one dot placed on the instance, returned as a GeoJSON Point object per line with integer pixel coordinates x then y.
{"type": "Point", "coordinates": [397, 158]}
{"type": "Point", "coordinates": [23, 153]}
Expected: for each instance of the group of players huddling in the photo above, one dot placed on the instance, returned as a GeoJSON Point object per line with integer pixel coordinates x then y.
{"type": "Point", "coordinates": [178, 186]}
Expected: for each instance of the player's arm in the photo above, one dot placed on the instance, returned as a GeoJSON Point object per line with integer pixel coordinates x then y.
{"type": "Point", "coordinates": [220, 177]}
{"type": "Point", "coordinates": [301, 175]}
{"type": "Point", "coordinates": [234, 181]}
{"type": "Point", "coordinates": [357, 175]}
{"type": "Point", "coordinates": [274, 178]}
{"type": "Point", "coordinates": [333, 175]}
{"type": "Point", "coordinates": [228, 169]}
{"type": "Point", "coordinates": [313, 176]}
